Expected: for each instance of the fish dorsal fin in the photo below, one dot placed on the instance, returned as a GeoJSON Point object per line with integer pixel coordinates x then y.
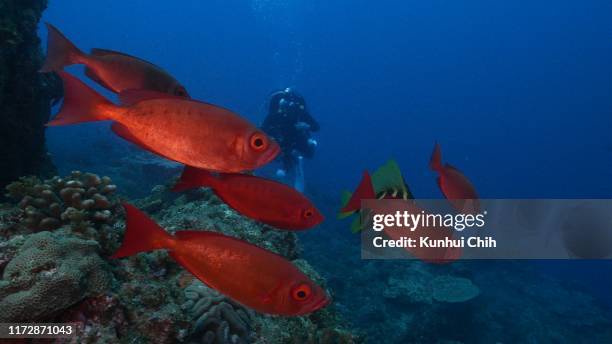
{"type": "Point", "coordinates": [133, 96]}
{"type": "Point", "coordinates": [193, 177]}
{"type": "Point", "coordinates": [365, 190]}
{"type": "Point", "coordinates": [388, 179]}
{"type": "Point", "coordinates": [190, 235]}
{"type": "Point", "coordinates": [108, 52]}
{"type": "Point", "coordinates": [449, 166]}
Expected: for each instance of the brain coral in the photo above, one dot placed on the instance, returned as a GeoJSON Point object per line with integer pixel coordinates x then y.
{"type": "Point", "coordinates": [428, 288]}
{"type": "Point", "coordinates": [48, 274]}
{"type": "Point", "coordinates": [453, 289]}
{"type": "Point", "coordinates": [218, 319]}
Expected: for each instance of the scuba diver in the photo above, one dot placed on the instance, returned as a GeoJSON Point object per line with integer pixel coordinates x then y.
{"type": "Point", "coordinates": [291, 125]}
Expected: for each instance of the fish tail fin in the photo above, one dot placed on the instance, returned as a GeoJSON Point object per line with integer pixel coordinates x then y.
{"type": "Point", "coordinates": [436, 158]}
{"type": "Point", "coordinates": [345, 197]}
{"type": "Point", "coordinates": [81, 103]}
{"type": "Point", "coordinates": [365, 190]}
{"type": "Point", "coordinates": [142, 234]}
{"type": "Point", "coordinates": [389, 178]}
{"type": "Point", "coordinates": [60, 51]}
{"type": "Point", "coordinates": [193, 177]}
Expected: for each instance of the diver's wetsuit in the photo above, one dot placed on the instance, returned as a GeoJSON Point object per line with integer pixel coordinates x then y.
{"type": "Point", "coordinates": [290, 124]}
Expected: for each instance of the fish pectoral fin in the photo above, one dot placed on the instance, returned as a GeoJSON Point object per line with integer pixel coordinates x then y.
{"type": "Point", "coordinates": [267, 297]}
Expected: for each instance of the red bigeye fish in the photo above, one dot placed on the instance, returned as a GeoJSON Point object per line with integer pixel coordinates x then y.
{"type": "Point", "coordinates": [254, 277]}
{"type": "Point", "coordinates": [187, 131]}
{"type": "Point", "coordinates": [113, 70]}
{"type": "Point", "coordinates": [454, 185]}
{"type": "Point", "coordinates": [389, 185]}
{"type": "Point", "coordinates": [264, 200]}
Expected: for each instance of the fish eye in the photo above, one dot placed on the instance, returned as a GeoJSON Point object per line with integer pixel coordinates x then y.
{"type": "Point", "coordinates": [302, 292]}
{"type": "Point", "coordinates": [258, 142]}
{"type": "Point", "coordinates": [308, 213]}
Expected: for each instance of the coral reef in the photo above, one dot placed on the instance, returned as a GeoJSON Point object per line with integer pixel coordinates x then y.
{"type": "Point", "coordinates": [222, 320]}
{"type": "Point", "coordinates": [49, 273]}
{"type": "Point", "coordinates": [84, 203]}
{"type": "Point", "coordinates": [25, 94]}
{"type": "Point", "coordinates": [431, 288]}
{"type": "Point", "coordinates": [414, 302]}
{"type": "Point", "coordinates": [202, 209]}
{"type": "Point", "coordinates": [398, 302]}
{"type": "Point", "coordinates": [66, 275]}
{"type": "Point", "coordinates": [218, 319]}
{"type": "Point", "coordinates": [453, 289]}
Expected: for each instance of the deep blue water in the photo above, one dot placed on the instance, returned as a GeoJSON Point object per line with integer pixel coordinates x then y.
{"type": "Point", "coordinates": [516, 92]}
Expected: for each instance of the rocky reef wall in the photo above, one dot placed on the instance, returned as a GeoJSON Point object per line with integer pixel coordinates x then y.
{"type": "Point", "coordinates": [25, 94]}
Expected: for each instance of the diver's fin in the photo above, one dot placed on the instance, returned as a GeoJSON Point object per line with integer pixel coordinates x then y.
{"type": "Point", "coordinates": [193, 177]}
{"type": "Point", "coordinates": [344, 199]}
{"type": "Point", "coordinates": [365, 190]}
{"type": "Point", "coordinates": [389, 177]}
{"type": "Point", "coordinates": [298, 181]}
{"type": "Point", "coordinates": [60, 51]}
{"type": "Point", "coordinates": [81, 103]}
{"type": "Point", "coordinates": [435, 163]}
{"type": "Point", "coordinates": [141, 234]}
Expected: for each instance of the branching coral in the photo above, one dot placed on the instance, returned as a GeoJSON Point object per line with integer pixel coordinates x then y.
{"type": "Point", "coordinates": [81, 200]}
{"type": "Point", "coordinates": [49, 273]}
{"type": "Point", "coordinates": [217, 318]}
